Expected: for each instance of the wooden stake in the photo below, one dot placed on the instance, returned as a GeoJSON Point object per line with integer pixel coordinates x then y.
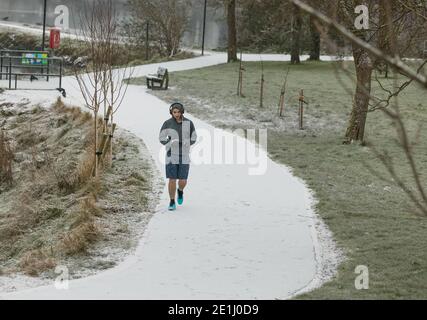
{"type": "Point", "coordinates": [104, 147]}
{"type": "Point", "coordinates": [282, 94]}
{"type": "Point", "coordinates": [281, 103]}
{"type": "Point", "coordinates": [240, 82]}
{"type": "Point", "coordinates": [261, 104]}
{"type": "Point", "coordinates": [261, 98]}
{"type": "Point", "coordinates": [109, 138]}
{"type": "Point", "coordinates": [301, 109]}
{"type": "Point", "coordinates": [95, 170]}
{"type": "Point", "coordinates": [107, 115]}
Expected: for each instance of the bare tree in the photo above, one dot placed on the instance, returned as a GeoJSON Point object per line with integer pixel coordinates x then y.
{"type": "Point", "coordinates": [115, 85]}
{"type": "Point", "coordinates": [101, 85]}
{"type": "Point", "coordinates": [168, 20]}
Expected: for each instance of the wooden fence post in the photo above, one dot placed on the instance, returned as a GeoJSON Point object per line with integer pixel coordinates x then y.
{"type": "Point", "coordinates": [100, 148]}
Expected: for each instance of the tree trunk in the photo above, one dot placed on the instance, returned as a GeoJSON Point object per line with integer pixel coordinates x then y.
{"type": "Point", "coordinates": [296, 35]}
{"type": "Point", "coordinates": [315, 41]}
{"type": "Point", "coordinates": [232, 33]}
{"type": "Point", "coordinates": [384, 35]}
{"type": "Point", "coordinates": [364, 66]}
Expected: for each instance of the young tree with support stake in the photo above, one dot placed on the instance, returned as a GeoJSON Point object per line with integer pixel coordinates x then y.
{"type": "Point", "coordinates": [102, 85]}
{"type": "Point", "coordinates": [92, 82]}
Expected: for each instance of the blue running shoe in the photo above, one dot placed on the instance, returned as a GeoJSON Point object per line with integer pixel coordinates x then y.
{"type": "Point", "coordinates": [180, 197]}
{"type": "Point", "coordinates": [172, 205]}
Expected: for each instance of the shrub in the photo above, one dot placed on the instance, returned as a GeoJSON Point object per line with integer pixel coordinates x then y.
{"type": "Point", "coordinates": [35, 261]}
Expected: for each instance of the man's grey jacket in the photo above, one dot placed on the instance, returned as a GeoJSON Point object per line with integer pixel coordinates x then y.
{"type": "Point", "coordinates": [177, 138]}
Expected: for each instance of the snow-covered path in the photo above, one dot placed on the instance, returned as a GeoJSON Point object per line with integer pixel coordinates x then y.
{"type": "Point", "coordinates": [237, 236]}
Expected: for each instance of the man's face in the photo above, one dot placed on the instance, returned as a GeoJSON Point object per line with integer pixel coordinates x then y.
{"type": "Point", "coordinates": [176, 114]}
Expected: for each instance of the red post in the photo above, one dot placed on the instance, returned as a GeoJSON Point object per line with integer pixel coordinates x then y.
{"type": "Point", "coordinates": [55, 38]}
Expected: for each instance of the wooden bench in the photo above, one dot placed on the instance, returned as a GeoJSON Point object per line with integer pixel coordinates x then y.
{"type": "Point", "coordinates": [161, 78]}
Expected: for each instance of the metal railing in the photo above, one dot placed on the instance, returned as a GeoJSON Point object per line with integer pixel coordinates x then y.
{"type": "Point", "coordinates": [32, 64]}
{"type": "Point", "coordinates": [16, 53]}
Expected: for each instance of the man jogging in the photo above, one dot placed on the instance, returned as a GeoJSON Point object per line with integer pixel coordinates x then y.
{"type": "Point", "coordinates": [177, 134]}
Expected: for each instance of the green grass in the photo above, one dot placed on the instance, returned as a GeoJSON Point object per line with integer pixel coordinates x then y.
{"type": "Point", "coordinates": [372, 221]}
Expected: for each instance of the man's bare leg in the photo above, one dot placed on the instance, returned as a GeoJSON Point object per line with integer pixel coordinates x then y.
{"type": "Point", "coordinates": [182, 184]}
{"type": "Point", "coordinates": [172, 188]}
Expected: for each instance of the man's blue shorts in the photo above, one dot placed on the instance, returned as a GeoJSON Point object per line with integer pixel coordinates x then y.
{"type": "Point", "coordinates": [177, 171]}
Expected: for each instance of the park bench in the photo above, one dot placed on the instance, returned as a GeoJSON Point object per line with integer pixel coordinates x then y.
{"type": "Point", "coordinates": [161, 78]}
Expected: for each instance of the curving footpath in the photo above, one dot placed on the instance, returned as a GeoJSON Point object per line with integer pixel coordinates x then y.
{"type": "Point", "coordinates": [237, 236]}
